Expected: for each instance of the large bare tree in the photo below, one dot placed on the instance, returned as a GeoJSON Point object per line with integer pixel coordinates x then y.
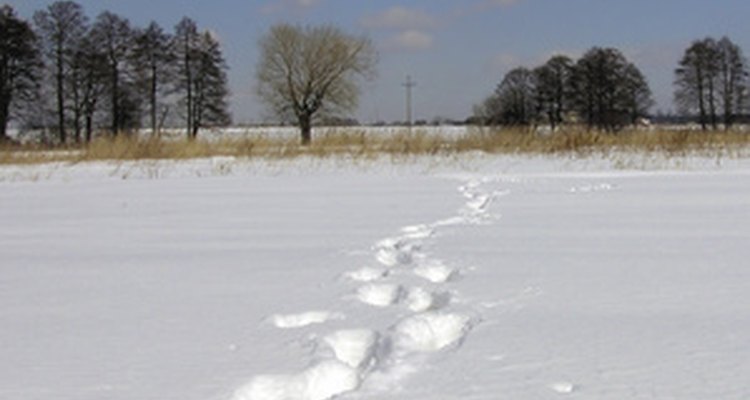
{"type": "Point", "coordinates": [202, 78]}
{"type": "Point", "coordinates": [695, 81]}
{"type": "Point", "coordinates": [115, 38]}
{"type": "Point", "coordinates": [553, 90]}
{"type": "Point", "coordinates": [609, 91]}
{"type": "Point", "coordinates": [733, 80]}
{"type": "Point", "coordinates": [62, 26]}
{"type": "Point", "coordinates": [307, 72]}
{"type": "Point", "coordinates": [153, 57]}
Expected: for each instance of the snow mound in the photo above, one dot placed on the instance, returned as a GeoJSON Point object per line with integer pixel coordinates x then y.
{"type": "Point", "coordinates": [355, 348]}
{"type": "Point", "coordinates": [291, 321]}
{"type": "Point", "coordinates": [435, 272]}
{"type": "Point", "coordinates": [382, 295]}
{"type": "Point", "coordinates": [395, 251]}
{"type": "Point", "coordinates": [452, 221]}
{"type": "Point", "coordinates": [328, 379]}
{"type": "Point", "coordinates": [367, 274]}
{"type": "Point", "coordinates": [419, 300]}
{"type": "Point", "coordinates": [563, 387]}
{"type": "Point", "coordinates": [417, 232]}
{"type": "Point", "coordinates": [430, 332]}
{"type": "Point", "coordinates": [320, 382]}
{"type": "Point", "coordinates": [479, 203]}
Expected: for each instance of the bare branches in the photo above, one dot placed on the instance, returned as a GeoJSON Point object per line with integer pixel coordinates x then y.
{"type": "Point", "coordinates": [712, 77]}
{"type": "Point", "coordinates": [311, 72]}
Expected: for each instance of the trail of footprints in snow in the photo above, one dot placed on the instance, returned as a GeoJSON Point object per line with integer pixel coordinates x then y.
{"type": "Point", "coordinates": [349, 357]}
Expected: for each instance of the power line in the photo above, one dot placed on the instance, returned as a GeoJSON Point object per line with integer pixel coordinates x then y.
{"type": "Point", "coordinates": [409, 85]}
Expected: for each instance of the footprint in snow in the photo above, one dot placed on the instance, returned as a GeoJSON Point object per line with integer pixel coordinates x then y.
{"type": "Point", "coordinates": [420, 300]}
{"type": "Point", "coordinates": [322, 381]}
{"type": "Point", "coordinates": [563, 387]}
{"type": "Point", "coordinates": [355, 348]}
{"type": "Point", "coordinates": [379, 295]}
{"type": "Point", "coordinates": [435, 272]}
{"type": "Point", "coordinates": [430, 332]}
{"type": "Point", "coordinates": [292, 321]}
{"type": "Point", "coordinates": [417, 232]}
{"type": "Point", "coordinates": [396, 251]}
{"type": "Point", "coordinates": [367, 274]}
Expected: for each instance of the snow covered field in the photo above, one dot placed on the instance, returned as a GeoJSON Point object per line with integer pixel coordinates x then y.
{"type": "Point", "coordinates": [506, 277]}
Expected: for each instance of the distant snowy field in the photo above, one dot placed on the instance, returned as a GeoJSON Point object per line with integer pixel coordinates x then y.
{"type": "Point", "coordinates": [477, 278]}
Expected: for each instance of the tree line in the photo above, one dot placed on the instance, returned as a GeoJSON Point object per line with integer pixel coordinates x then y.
{"type": "Point", "coordinates": [712, 82]}
{"type": "Point", "coordinates": [602, 88]}
{"type": "Point", "coordinates": [605, 91]}
{"type": "Point", "coordinates": [70, 77]}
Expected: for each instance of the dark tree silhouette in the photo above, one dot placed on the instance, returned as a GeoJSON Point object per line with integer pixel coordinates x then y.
{"type": "Point", "coordinates": [153, 57]}
{"type": "Point", "coordinates": [553, 89]}
{"type": "Point", "coordinates": [515, 97]}
{"type": "Point", "coordinates": [202, 79]}
{"type": "Point", "coordinates": [114, 36]}
{"type": "Point", "coordinates": [20, 67]}
{"type": "Point", "coordinates": [608, 91]}
{"type": "Point", "coordinates": [62, 26]}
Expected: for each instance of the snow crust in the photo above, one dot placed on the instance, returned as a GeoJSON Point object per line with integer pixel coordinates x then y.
{"type": "Point", "coordinates": [304, 319]}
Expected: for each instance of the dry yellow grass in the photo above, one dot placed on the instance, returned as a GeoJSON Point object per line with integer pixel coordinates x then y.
{"type": "Point", "coordinates": [358, 143]}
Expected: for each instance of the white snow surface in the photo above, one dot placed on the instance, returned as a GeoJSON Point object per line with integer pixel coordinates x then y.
{"type": "Point", "coordinates": [480, 278]}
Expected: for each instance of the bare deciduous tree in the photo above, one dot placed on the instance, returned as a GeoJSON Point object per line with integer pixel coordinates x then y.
{"type": "Point", "coordinates": [185, 44]}
{"type": "Point", "coordinates": [515, 96]}
{"type": "Point", "coordinates": [733, 79]}
{"type": "Point", "coordinates": [694, 81]}
{"type": "Point", "coordinates": [553, 90]}
{"type": "Point", "coordinates": [153, 57]}
{"type": "Point", "coordinates": [202, 80]}
{"type": "Point", "coordinates": [92, 76]}
{"type": "Point", "coordinates": [115, 37]}
{"type": "Point", "coordinates": [610, 92]}
{"type": "Point", "coordinates": [306, 72]}
{"type": "Point", "coordinates": [62, 25]}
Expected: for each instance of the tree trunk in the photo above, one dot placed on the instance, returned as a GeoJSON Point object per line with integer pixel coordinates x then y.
{"type": "Point", "coordinates": [701, 104]}
{"type": "Point", "coordinates": [305, 127]}
{"type": "Point", "coordinates": [712, 105]}
{"type": "Point", "coordinates": [89, 127]}
{"type": "Point", "coordinates": [61, 96]}
{"type": "Point", "coordinates": [189, 84]}
{"type": "Point", "coordinates": [115, 100]}
{"type": "Point", "coordinates": [4, 112]}
{"type": "Point", "coordinates": [77, 114]}
{"type": "Point", "coordinates": [154, 127]}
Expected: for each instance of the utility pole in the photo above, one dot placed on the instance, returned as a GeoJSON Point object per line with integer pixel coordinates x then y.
{"type": "Point", "coordinates": [409, 85]}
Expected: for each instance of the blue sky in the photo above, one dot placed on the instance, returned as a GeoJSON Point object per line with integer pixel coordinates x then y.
{"type": "Point", "coordinates": [457, 51]}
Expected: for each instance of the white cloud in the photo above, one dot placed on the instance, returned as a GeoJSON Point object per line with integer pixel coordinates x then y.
{"type": "Point", "coordinates": [398, 17]}
{"type": "Point", "coordinates": [410, 40]}
{"type": "Point", "coordinates": [279, 6]}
